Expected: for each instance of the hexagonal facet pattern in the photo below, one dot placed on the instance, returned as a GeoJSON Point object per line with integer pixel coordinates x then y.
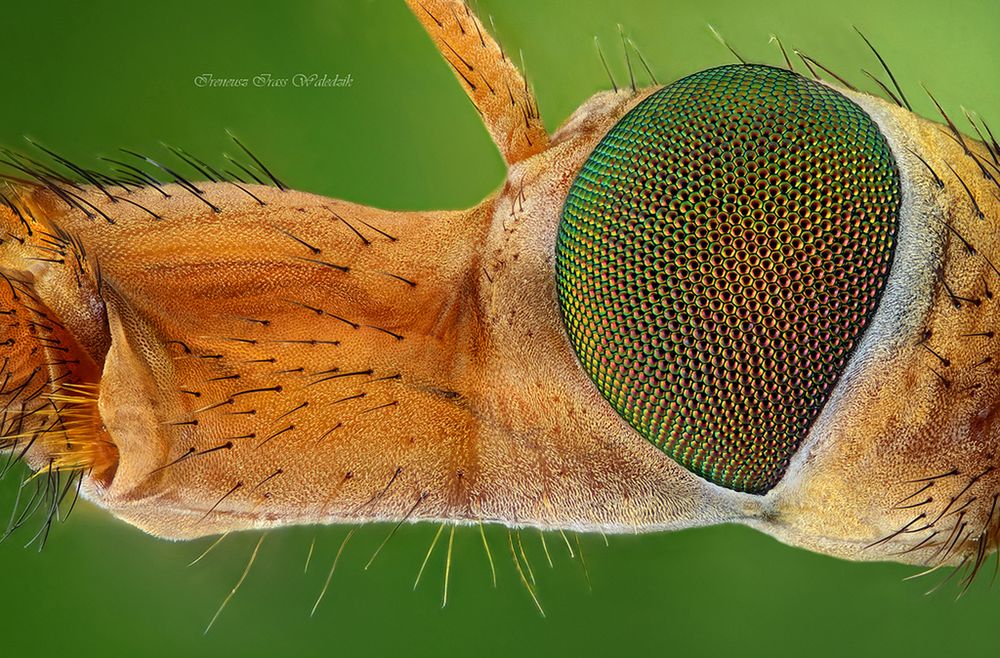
{"type": "Point", "coordinates": [719, 256]}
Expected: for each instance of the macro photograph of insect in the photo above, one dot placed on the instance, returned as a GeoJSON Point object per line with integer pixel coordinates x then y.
{"type": "Point", "coordinates": [431, 327]}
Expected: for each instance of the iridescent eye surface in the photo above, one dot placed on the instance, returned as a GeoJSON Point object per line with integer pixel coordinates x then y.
{"type": "Point", "coordinates": [719, 256]}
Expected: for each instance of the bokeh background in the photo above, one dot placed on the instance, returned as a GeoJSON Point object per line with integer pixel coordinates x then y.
{"type": "Point", "coordinates": [88, 78]}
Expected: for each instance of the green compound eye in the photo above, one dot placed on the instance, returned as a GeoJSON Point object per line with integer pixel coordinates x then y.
{"type": "Point", "coordinates": [719, 255]}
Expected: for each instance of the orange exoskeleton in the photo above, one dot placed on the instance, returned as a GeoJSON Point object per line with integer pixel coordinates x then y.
{"type": "Point", "coordinates": [746, 296]}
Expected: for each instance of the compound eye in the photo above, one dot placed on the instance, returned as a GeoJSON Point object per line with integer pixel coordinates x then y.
{"type": "Point", "coordinates": [719, 256]}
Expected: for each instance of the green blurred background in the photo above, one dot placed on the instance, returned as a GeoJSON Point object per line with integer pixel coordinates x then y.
{"type": "Point", "coordinates": [89, 79]}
